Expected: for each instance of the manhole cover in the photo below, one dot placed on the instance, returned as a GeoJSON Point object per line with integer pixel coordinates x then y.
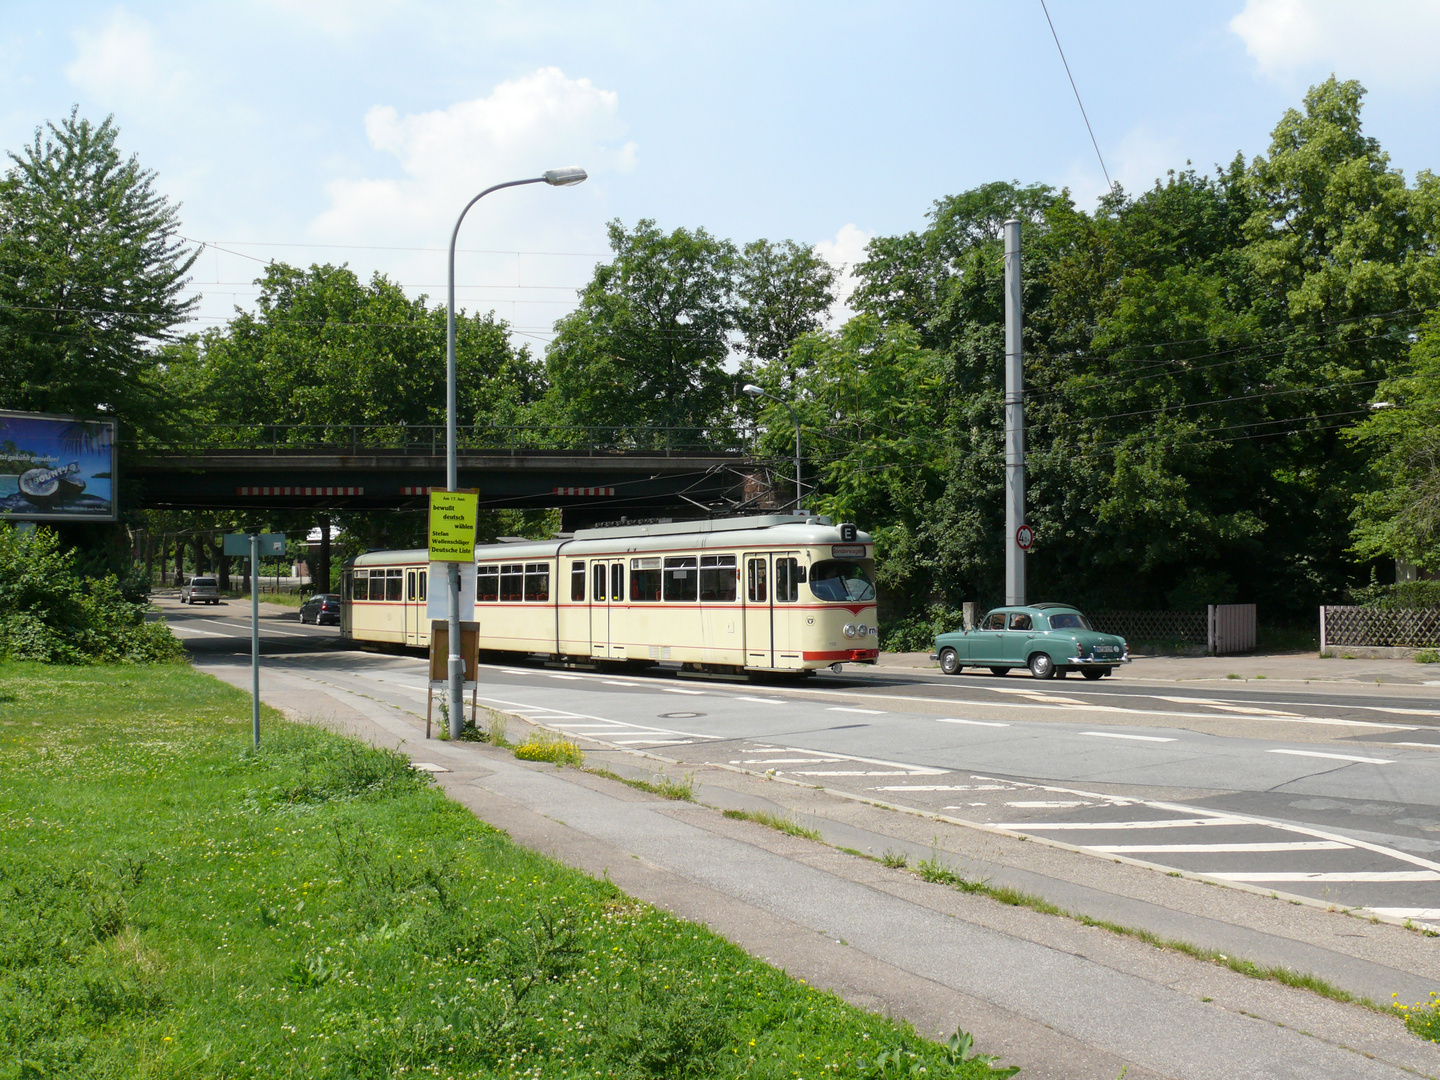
{"type": "Point", "coordinates": [680, 715]}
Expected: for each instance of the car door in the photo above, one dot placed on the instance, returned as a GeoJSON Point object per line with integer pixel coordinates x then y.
{"type": "Point", "coordinates": [1019, 632]}
{"type": "Point", "coordinates": [985, 642]}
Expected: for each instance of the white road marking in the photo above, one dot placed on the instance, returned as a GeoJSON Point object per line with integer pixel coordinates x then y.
{"type": "Point", "coordinates": [557, 675]}
{"type": "Point", "coordinates": [428, 766]}
{"type": "Point", "coordinates": [516, 671]}
{"type": "Point", "coordinates": [849, 772]}
{"type": "Point", "coordinates": [976, 723]}
{"type": "Point", "coordinates": [1118, 735]}
{"type": "Point", "coordinates": [865, 712]}
{"type": "Point", "coordinates": [1291, 845]}
{"type": "Point", "coordinates": [677, 690]}
{"type": "Point", "coordinates": [1047, 805]}
{"type": "Point", "coordinates": [787, 761]}
{"type": "Point", "coordinates": [1407, 912]}
{"type": "Point", "coordinates": [1422, 745]}
{"type": "Point", "coordinates": [613, 682]}
{"type": "Point", "coordinates": [182, 630]}
{"type": "Point", "coordinates": [1159, 823]}
{"type": "Point", "coordinates": [1353, 875]}
{"type": "Point", "coordinates": [1333, 757]}
{"type": "Point", "coordinates": [652, 741]}
{"type": "Point", "coordinates": [762, 700]}
{"type": "Point", "coordinates": [946, 787]}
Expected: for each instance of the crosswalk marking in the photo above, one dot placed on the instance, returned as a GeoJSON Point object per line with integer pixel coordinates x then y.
{"type": "Point", "coordinates": [1121, 735]}
{"type": "Point", "coordinates": [1333, 757]}
{"type": "Point", "coordinates": [863, 712]}
{"type": "Point", "coordinates": [976, 723]}
{"type": "Point", "coordinates": [1160, 823]}
{"type": "Point", "coordinates": [762, 700]}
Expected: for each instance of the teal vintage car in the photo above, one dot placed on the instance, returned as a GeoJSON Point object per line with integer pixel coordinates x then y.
{"type": "Point", "coordinates": [1046, 638]}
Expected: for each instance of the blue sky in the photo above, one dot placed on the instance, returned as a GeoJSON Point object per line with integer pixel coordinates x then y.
{"type": "Point", "coordinates": [354, 130]}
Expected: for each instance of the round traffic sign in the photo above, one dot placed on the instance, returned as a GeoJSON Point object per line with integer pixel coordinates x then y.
{"type": "Point", "coordinates": [1024, 537]}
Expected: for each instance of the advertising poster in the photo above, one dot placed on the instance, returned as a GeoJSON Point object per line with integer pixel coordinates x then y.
{"type": "Point", "coordinates": [56, 468]}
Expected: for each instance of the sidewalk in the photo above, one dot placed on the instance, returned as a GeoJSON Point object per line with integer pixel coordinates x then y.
{"type": "Point", "coordinates": [1059, 998]}
{"type": "Point", "coordinates": [1257, 667]}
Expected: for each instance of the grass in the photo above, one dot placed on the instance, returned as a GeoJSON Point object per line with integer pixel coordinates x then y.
{"type": "Point", "coordinates": [1427, 656]}
{"type": "Point", "coordinates": [665, 786]}
{"type": "Point", "coordinates": [173, 904]}
{"type": "Point", "coordinates": [789, 826]}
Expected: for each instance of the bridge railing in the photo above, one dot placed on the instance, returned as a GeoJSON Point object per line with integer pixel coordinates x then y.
{"type": "Point", "coordinates": [429, 439]}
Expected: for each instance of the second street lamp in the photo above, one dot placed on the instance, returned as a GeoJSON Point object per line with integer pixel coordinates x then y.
{"type": "Point", "coordinates": [455, 666]}
{"type": "Point", "coordinates": [757, 391]}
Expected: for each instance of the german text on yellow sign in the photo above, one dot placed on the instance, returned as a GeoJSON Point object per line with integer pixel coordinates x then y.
{"type": "Point", "coordinates": [452, 525]}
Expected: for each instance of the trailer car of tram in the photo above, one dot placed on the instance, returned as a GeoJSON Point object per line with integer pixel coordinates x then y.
{"type": "Point", "coordinates": [775, 593]}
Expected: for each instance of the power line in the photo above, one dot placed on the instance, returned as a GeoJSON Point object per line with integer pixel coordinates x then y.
{"type": "Point", "coordinates": [216, 244]}
{"type": "Point", "coordinates": [1109, 183]}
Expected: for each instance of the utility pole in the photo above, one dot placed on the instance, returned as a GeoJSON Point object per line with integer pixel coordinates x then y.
{"type": "Point", "coordinates": [1014, 421]}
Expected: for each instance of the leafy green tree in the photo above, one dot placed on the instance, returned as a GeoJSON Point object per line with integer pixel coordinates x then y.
{"type": "Point", "coordinates": [324, 349]}
{"type": "Point", "coordinates": [1399, 516]}
{"type": "Point", "coordinates": [92, 271]}
{"type": "Point", "coordinates": [647, 345]}
{"type": "Point", "coordinates": [784, 290]}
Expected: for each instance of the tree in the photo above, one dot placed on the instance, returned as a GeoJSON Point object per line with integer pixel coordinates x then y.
{"type": "Point", "coordinates": [1399, 516]}
{"type": "Point", "coordinates": [784, 290]}
{"type": "Point", "coordinates": [647, 345]}
{"type": "Point", "coordinates": [92, 271]}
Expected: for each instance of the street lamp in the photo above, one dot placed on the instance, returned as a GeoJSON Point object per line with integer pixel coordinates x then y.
{"type": "Point", "coordinates": [756, 391]}
{"type": "Point", "coordinates": [456, 666]}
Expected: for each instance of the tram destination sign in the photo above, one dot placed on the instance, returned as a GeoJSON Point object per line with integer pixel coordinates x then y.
{"type": "Point", "coordinates": [452, 525]}
{"type": "Point", "coordinates": [56, 468]}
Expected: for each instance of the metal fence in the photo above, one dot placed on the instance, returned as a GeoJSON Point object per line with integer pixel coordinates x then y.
{"type": "Point", "coordinates": [1412, 628]}
{"type": "Point", "coordinates": [1224, 629]}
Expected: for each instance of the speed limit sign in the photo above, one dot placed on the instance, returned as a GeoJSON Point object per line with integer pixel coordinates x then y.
{"type": "Point", "coordinates": [1024, 537]}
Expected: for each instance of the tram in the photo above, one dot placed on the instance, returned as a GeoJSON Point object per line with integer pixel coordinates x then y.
{"type": "Point", "coordinates": [774, 593]}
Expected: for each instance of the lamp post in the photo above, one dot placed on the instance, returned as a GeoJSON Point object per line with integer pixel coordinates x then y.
{"type": "Point", "coordinates": [455, 667]}
{"type": "Point", "coordinates": [756, 391]}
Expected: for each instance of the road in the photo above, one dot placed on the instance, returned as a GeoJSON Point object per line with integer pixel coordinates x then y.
{"type": "Point", "coordinates": [1327, 792]}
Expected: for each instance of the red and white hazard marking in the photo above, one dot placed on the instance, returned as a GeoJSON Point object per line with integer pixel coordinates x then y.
{"type": "Point", "coordinates": [299, 491]}
{"type": "Point", "coordinates": [583, 491]}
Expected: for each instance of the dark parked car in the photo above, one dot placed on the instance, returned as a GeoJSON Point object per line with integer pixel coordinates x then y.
{"type": "Point", "coordinates": [1046, 638]}
{"type": "Point", "coordinates": [200, 590]}
{"type": "Point", "coordinates": [321, 608]}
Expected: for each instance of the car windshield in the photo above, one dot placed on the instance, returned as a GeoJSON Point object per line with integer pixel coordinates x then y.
{"type": "Point", "coordinates": [1069, 620]}
{"type": "Point", "coordinates": [834, 579]}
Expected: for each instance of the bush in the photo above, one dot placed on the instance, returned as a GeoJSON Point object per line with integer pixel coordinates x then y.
{"type": "Point", "coordinates": [916, 632]}
{"type": "Point", "coordinates": [1402, 594]}
{"type": "Point", "coordinates": [50, 612]}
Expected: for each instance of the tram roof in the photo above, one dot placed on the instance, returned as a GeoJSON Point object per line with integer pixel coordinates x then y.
{"type": "Point", "coordinates": [780, 530]}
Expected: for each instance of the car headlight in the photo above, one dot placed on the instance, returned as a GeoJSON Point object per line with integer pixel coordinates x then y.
{"type": "Point", "coordinates": [849, 629]}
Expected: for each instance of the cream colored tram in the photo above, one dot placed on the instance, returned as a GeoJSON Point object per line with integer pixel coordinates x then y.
{"type": "Point", "coordinates": [744, 594]}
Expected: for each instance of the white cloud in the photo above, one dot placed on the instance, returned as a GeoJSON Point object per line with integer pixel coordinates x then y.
{"type": "Point", "coordinates": [1384, 42]}
{"type": "Point", "coordinates": [120, 64]}
{"type": "Point", "coordinates": [444, 157]}
{"type": "Point", "coordinates": [844, 253]}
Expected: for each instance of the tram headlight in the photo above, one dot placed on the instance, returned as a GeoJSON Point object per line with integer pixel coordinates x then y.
{"type": "Point", "coordinates": [849, 629]}
{"type": "Point", "coordinates": [863, 630]}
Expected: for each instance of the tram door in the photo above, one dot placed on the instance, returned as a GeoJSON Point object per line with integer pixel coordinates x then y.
{"type": "Point", "coordinates": [759, 612]}
{"type": "Point", "coordinates": [415, 606]}
{"type": "Point", "coordinates": [607, 609]}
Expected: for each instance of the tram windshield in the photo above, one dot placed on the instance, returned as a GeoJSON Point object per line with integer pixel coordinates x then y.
{"type": "Point", "coordinates": [835, 579]}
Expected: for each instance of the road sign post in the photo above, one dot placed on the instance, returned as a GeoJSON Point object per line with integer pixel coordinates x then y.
{"type": "Point", "coordinates": [254, 545]}
{"type": "Point", "coordinates": [452, 541]}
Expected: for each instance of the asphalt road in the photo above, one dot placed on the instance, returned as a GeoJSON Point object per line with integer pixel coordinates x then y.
{"type": "Point", "coordinates": [1329, 792]}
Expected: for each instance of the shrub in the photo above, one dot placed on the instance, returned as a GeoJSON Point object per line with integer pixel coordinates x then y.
{"type": "Point", "coordinates": [543, 746]}
{"type": "Point", "coordinates": [50, 612]}
{"type": "Point", "coordinates": [1402, 594]}
{"type": "Point", "coordinates": [916, 632]}
{"type": "Point", "coordinates": [1427, 656]}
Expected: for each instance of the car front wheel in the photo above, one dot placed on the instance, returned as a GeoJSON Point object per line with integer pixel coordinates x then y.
{"type": "Point", "coordinates": [949, 662]}
{"type": "Point", "coordinates": [1041, 666]}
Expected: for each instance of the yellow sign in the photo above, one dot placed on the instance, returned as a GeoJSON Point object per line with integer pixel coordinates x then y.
{"type": "Point", "coordinates": [452, 525]}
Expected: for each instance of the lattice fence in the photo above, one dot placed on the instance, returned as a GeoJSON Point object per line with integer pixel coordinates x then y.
{"type": "Point", "coordinates": [1414, 628]}
{"type": "Point", "coordinates": [1187, 626]}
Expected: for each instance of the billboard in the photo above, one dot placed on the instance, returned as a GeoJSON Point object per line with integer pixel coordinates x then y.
{"type": "Point", "coordinates": [56, 468]}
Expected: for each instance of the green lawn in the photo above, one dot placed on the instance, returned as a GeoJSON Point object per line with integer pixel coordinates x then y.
{"type": "Point", "coordinates": [173, 905]}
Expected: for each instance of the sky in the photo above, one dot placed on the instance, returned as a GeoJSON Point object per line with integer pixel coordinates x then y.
{"type": "Point", "coordinates": [354, 131]}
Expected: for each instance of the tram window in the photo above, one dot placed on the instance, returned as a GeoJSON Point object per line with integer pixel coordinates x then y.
{"type": "Point", "coordinates": [410, 586]}
{"type": "Point", "coordinates": [617, 582]}
{"type": "Point", "coordinates": [756, 590]}
{"type": "Point", "coordinates": [424, 574]}
{"type": "Point", "coordinates": [645, 580]}
{"type": "Point", "coordinates": [680, 579]}
{"type": "Point", "coordinates": [717, 579]}
{"type": "Point", "coordinates": [537, 581]}
{"type": "Point", "coordinates": [360, 587]}
{"type": "Point", "coordinates": [598, 587]}
{"type": "Point", "coordinates": [837, 579]}
{"type": "Point", "coordinates": [394, 584]}
{"type": "Point", "coordinates": [577, 582]}
{"type": "Point", "coordinates": [788, 575]}
{"type": "Point", "coordinates": [512, 583]}
{"type": "Point", "coordinates": [487, 584]}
